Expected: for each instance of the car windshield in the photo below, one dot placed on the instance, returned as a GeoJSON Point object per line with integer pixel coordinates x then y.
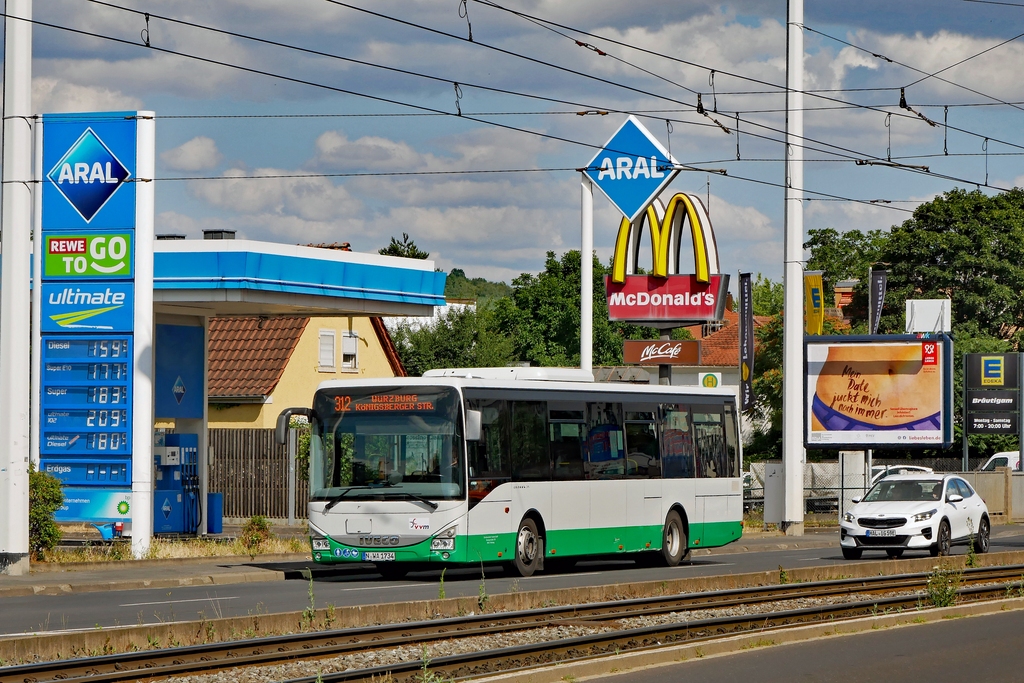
{"type": "Point", "coordinates": [905, 489]}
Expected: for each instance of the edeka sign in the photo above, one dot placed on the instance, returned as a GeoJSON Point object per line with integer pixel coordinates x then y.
{"type": "Point", "coordinates": [88, 307]}
{"type": "Point", "coordinates": [632, 169]}
{"type": "Point", "coordinates": [645, 298]}
{"type": "Point", "coordinates": [88, 255]}
{"type": "Point", "coordinates": [89, 162]}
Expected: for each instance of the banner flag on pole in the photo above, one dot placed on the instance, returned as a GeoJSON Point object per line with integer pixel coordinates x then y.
{"type": "Point", "coordinates": [746, 323]}
{"type": "Point", "coordinates": [814, 305]}
{"type": "Point", "coordinates": [876, 297]}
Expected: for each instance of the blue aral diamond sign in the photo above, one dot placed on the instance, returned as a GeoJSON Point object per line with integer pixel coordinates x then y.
{"type": "Point", "coordinates": [178, 390]}
{"type": "Point", "coordinates": [88, 175]}
{"type": "Point", "coordinates": [632, 168]}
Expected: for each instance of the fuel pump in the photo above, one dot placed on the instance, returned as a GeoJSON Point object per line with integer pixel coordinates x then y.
{"type": "Point", "coordinates": [176, 484]}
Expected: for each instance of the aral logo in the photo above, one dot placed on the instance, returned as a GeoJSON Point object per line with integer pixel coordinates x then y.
{"type": "Point", "coordinates": [88, 175]}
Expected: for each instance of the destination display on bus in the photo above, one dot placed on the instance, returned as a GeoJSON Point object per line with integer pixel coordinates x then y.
{"type": "Point", "coordinates": [405, 403]}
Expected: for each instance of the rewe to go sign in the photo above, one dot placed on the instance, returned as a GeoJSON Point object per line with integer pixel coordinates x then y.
{"type": "Point", "coordinates": [91, 255]}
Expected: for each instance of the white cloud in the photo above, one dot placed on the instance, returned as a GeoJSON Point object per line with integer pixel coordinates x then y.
{"type": "Point", "coordinates": [305, 199]}
{"type": "Point", "coordinates": [58, 96]}
{"type": "Point", "coordinates": [198, 154]}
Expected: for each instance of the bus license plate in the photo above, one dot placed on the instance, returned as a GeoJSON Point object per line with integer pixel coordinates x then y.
{"type": "Point", "coordinates": [378, 557]}
{"type": "Point", "coordinates": [877, 533]}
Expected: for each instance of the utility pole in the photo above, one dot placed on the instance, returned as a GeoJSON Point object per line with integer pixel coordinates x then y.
{"type": "Point", "coordinates": [793, 332]}
{"type": "Point", "coordinates": [586, 274]}
{"type": "Point", "coordinates": [15, 308]}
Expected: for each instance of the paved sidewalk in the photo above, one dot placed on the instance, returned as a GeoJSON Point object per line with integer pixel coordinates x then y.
{"type": "Point", "coordinates": [105, 576]}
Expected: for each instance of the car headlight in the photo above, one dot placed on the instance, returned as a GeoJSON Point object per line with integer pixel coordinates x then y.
{"type": "Point", "coordinates": [848, 517]}
{"type": "Point", "coordinates": [924, 516]}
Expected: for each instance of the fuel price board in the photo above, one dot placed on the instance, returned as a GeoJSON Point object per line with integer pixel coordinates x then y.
{"type": "Point", "coordinates": [86, 401]}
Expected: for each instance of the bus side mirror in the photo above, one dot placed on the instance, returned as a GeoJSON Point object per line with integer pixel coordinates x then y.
{"type": "Point", "coordinates": [283, 420]}
{"type": "Point", "coordinates": [474, 422]}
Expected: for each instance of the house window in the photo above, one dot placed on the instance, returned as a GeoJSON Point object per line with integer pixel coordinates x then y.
{"type": "Point", "coordinates": [327, 351]}
{"type": "Point", "coordinates": [349, 347]}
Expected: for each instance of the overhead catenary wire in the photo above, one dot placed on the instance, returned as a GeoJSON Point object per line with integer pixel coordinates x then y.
{"type": "Point", "coordinates": [699, 108]}
{"type": "Point", "coordinates": [306, 82]}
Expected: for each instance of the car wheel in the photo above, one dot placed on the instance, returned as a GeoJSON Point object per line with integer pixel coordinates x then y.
{"type": "Point", "coordinates": [895, 553]}
{"type": "Point", "coordinates": [528, 548]}
{"type": "Point", "coordinates": [392, 571]}
{"type": "Point", "coordinates": [674, 544]}
{"type": "Point", "coordinates": [943, 541]}
{"type": "Point", "coordinates": [981, 540]}
{"type": "Point", "coordinates": [852, 553]}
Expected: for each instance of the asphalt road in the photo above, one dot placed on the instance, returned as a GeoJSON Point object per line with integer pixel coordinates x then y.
{"type": "Point", "coordinates": [973, 649]}
{"type": "Point", "coordinates": [360, 585]}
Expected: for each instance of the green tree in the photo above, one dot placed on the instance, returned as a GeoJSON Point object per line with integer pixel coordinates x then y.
{"type": "Point", "coordinates": [845, 256]}
{"type": "Point", "coordinates": [768, 296]}
{"type": "Point", "coordinates": [45, 497]}
{"type": "Point", "coordinates": [406, 248]}
{"type": "Point", "coordinates": [966, 246]}
{"type": "Point", "coordinates": [460, 338]}
{"type": "Point", "coordinates": [458, 286]}
{"type": "Point", "coordinates": [542, 316]}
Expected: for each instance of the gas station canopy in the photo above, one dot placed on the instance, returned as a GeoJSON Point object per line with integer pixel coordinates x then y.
{"type": "Point", "coordinates": [243, 277]}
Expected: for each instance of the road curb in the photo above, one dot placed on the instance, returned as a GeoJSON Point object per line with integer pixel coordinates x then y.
{"type": "Point", "coordinates": [678, 654]}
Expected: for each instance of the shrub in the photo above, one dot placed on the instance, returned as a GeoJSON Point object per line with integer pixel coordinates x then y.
{"type": "Point", "coordinates": [255, 535]}
{"type": "Point", "coordinates": [44, 499]}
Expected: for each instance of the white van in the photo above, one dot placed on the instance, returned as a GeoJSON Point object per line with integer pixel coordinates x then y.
{"type": "Point", "coordinates": [1003, 459]}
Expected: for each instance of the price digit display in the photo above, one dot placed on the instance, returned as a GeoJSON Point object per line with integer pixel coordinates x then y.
{"type": "Point", "coordinates": [86, 395]}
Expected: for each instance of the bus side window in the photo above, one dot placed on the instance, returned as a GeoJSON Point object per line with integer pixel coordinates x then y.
{"type": "Point", "coordinates": [676, 442]}
{"type": "Point", "coordinates": [732, 441]}
{"type": "Point", "coordinates": [490, 457]}
{"type": "Point", "coordinates": [606, 450]}
{"type": "Point", "coordinates": [643, 458]}
{"type": "Point", "coordinates": [566, 444]}
{"type": "Point", "coordinates": [709, 435]}
{"type": "Point", "coordinates": [530, 460]}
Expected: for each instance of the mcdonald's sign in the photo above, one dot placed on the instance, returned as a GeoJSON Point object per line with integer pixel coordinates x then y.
{"type": "Point", "coordinates": [666, 295]}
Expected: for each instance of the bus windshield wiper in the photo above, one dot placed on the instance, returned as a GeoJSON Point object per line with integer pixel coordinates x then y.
{"type": "Point", "coordinates": [417, 498]}
{"type": "Point", "coordinates": [337, 499]}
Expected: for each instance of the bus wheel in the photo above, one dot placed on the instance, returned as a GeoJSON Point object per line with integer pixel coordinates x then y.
{"type": "Point", "coordinates": [527, 548]}
{"type": "Point", "coordinates": [392, 571]}
{"type": "Point", "coordinates": [674, 545]}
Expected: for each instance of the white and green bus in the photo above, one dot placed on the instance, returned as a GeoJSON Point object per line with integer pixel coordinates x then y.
{"type": "Point", "coordinates": [524, 466]}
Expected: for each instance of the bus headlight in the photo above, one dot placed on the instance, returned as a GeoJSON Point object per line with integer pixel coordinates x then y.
{"type": "Point", "coordinates": [445, 540]}
{"type": "Point", "coordinates": [321, 544]}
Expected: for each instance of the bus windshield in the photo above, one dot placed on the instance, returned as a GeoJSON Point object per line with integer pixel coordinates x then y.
{"type": "Point", "coordinates": [387, 443]}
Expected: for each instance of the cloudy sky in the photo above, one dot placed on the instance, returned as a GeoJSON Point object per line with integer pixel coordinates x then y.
{"type": "Point", "coordinates": [294, 88]}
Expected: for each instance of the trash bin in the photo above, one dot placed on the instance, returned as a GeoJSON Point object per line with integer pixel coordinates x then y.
{"type": "Point", "coordinates": [214, 513]}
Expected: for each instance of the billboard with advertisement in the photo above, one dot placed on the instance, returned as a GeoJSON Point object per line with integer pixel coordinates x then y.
{"type": "Point", "coordinates": [878, 392]}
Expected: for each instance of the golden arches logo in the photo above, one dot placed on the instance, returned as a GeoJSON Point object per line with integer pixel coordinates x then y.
{"type": "Point", "coordinates": [665, 224]}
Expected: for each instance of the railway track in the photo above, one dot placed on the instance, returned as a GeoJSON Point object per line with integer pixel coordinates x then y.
{"type": "Point", "coordinates": [978, 584]}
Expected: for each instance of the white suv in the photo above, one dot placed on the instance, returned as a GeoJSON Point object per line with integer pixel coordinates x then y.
{"type": "Point", "coordinates": [915, 512]}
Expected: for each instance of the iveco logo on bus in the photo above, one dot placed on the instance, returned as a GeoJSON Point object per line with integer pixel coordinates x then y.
{"type": "Point", "coordinates": [665, 295]}
{"type": "Point", "coordinates": [378, 540]}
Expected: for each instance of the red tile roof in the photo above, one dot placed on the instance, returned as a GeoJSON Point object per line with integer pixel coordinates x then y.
{"type": "Point", "coordinates": [249, 355]}
{"type": "Point", "coordinates": [722, 348]}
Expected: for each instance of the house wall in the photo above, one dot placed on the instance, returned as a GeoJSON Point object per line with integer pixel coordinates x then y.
{"type": "Point", "coordinates": [302, 375]}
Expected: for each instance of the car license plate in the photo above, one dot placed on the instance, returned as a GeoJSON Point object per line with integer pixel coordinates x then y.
{"type": "Point", "coordinates": [442, 544]}
{"type": "Point", "coordinates": [879, 533]}
{"type": "Point", "coordinates": [378, 557]}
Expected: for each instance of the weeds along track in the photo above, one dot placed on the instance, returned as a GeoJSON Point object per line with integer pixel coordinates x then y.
{"type": "Point", "coordinates": [617, 622]}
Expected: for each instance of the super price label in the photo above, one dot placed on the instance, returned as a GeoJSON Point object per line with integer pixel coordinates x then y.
{"type": "Point", "coordinates": [93, 256]}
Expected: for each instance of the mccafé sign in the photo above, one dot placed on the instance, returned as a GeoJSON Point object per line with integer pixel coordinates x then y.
{"type": "Point", "coordinates": [658, 352]}
{"type": "Point", "coordinates": [665, 295]}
